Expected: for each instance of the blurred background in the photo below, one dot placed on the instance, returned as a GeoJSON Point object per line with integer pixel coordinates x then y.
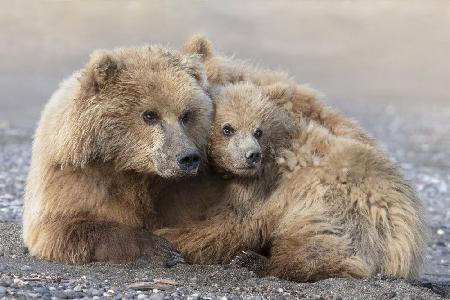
{"type": "Point", "coordinates": [393, 53]}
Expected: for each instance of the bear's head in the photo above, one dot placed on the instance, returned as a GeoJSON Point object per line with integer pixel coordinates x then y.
{"type": "Point", "coordinates": [248, 128]}
{"type": "Point", "coordinates": [142, 109]}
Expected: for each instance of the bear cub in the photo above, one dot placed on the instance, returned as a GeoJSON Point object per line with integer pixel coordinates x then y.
{"type": "Point", "coordinates": [315, 204]}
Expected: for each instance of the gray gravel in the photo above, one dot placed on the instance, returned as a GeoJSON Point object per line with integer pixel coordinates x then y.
{"type": "Point", "coordinates": [417, 141]}
{"type": "Point", "coordinates": [23, 276]}
{"type": "Point", "coordinates": [15, 154]}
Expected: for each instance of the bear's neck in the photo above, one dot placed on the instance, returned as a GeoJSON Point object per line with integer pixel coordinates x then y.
{"type": "Point", "coordinates": [247, 193]}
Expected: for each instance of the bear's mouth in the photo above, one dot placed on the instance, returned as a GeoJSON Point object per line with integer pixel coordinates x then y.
{"type": "Point", "coordinates": [249, 167]}
{"type": "Point", "coordinates": [246, 172]}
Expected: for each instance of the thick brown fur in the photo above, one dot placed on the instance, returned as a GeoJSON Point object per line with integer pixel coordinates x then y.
{"type": "Point", "coordinates": [301, 102]}
{"type": "Point", "coordinates": [97, 163]}
{"type": "Point", "coordinates": [319, 205]}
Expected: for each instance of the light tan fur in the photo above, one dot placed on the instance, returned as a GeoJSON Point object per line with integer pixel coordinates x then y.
{"type": "Point", "coordinates": [97, 163]}
{"type": "Point", "coordinates": [319, 205]}
{"type": "Point", "coordinates": [300, 101]}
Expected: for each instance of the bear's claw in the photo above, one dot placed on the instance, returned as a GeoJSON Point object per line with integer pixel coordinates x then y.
{"type": "Point", "coordinates": [252, 261]}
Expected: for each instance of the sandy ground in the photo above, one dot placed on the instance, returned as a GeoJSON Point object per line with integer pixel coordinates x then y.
{"type": "Point", "coordinates": [384, 63]}
{"type": "Point", "coordinates": [31, 278]}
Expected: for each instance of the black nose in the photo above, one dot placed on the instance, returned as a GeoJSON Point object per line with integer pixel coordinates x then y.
{"type": "Point", "coordinates": [253, 157]}
{"type": "Point", "coordinates": [189, 162]}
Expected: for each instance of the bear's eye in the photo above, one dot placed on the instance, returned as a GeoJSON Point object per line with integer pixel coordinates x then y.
{"type": "Point", "coordinates": [228, 130]}
{"type": "Point", "coordinates": [150, 117]}
{"type": "Point", "coordinates": [258, 134]}
{"type": "Point", "coordinates": [185, 117]}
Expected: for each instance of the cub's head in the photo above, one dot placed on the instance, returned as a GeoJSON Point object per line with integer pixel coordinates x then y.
{"type": "Point", "coordinates": [248, 128]}
{"type": "Point", "coordinates": [143, 109]}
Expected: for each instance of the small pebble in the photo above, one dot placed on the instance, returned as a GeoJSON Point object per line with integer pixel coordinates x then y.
{"type": "Point", "coordinates": [95, 292]}
{"type": "Point", "coordinates": [193, 296]}
{"type": "Point", "coordinates": [440, 232]}
{"type": "Point", "coordinates": [26, 268]}
{"type": "Point", "coordinates": [156, 297]}
{"type": "Point", "coordinates": [41, 290]}
{"type": "Point", "coordinates": [34, 295]}
{"type": "Point", "coordinates": [175, 294]}
{"type": "Point", "coordinates": [78, 288]}
{"type": "Point", "coordinates": [119, 296]}
{"type": "Point", "coordinates": [19, 282]}
{"type": "Point", "coordinates": [440, 244]}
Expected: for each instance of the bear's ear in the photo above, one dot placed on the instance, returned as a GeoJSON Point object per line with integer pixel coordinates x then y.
{"type": "Point", "coordinates": [196, 68]}
{"type": "Point", "coordinates": [102, 68]}
{"type": "Point", "coordinates": [198, 44]}
{"type": "Point", "coordinates": [278, 92]}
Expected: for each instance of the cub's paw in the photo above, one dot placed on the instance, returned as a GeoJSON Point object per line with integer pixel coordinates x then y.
{"type": "Point", "coordinates": [252, 261]}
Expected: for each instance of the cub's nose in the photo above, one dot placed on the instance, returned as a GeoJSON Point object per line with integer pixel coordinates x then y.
{"type": "Point", "coordinates": [189, 162]}
{"type": "Point", "coordinates": [253, 157]}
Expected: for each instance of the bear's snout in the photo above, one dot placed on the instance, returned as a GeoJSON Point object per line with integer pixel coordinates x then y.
{"type": "Point", "coordinates": [253, 157]}
{"type": "Point", "coordinates": [189, 161]}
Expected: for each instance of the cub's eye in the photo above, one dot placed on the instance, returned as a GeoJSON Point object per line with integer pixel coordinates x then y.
{"type": "Point", "coordinates": [150, 117]}
{"type": "Point", "coordinates": [185, 117]}
{"type": "Point", "coordinates": [258, 134]}
{"type": "Point", "coordinates": [227, 130]}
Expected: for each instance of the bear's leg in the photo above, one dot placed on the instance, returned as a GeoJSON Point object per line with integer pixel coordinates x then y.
{"type": "Point", "coordinates": [82, 241]}
{"type": "Point", "coordinates": [217, 240]}
{"type": "Point", "coordinates": [311, 258]}
{"type": "Point", "coordinates": [202, 244]}
{"type": "Point", "coordinates": [405, 240]}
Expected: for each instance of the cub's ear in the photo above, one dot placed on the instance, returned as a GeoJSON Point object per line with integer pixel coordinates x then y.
{"type": "Point", "coordinates": [102, 68]}
{"type": "Point", "coordinates": [278, 92]}
{"type": "Point", "coordinates": [198, 44]}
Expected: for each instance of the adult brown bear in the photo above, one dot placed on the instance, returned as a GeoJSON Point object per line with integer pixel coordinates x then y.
{"type": "Point", "coordinates": [109, 139]}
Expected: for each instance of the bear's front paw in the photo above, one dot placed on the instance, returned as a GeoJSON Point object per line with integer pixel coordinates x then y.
{"type": "Point", "coordinates": [252, 261]}
{"type": "Point", "coordinates": [159, 247]}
